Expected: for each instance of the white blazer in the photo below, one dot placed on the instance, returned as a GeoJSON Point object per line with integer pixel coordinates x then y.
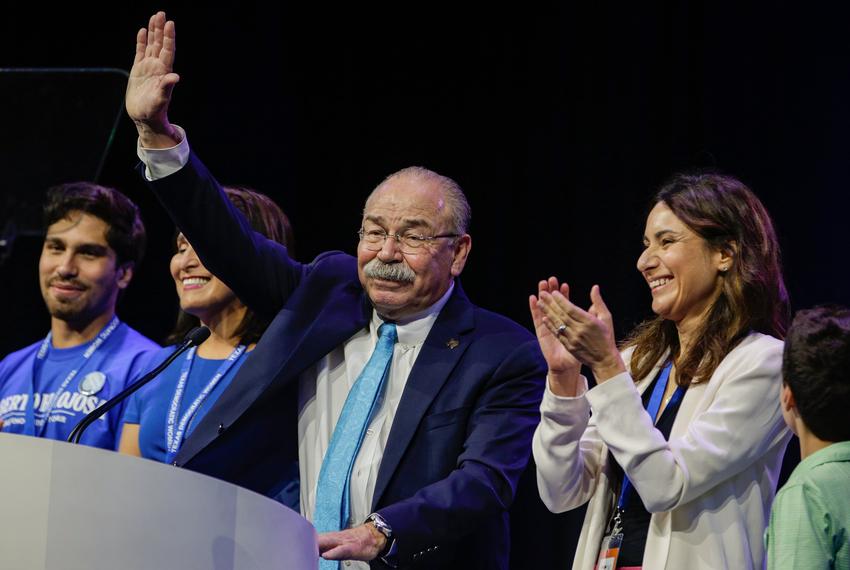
{"type": "Point", "coordinates": [709, 488]}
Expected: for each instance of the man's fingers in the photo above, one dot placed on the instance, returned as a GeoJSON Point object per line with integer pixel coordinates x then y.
{"type": "Point", "coordinates": [167, 84]}
{"type": "Point", "coordinates": [158, 25]}
{"type": "Point", "coordinates": [141, 45]}
{"type": "Point", "coordinates": [340, 552]}
{"type": "Point", "coordinates": [350, 544]}
{"type": "Point", "coordinates": [149, 48]}
{"type": "Point", "coordinates": [328, 540]}
{"type": "Point", "coordinates": [169, 40]}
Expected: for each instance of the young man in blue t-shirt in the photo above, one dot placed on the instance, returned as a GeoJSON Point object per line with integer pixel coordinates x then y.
{"type": "Point", "coordinates": [94, 239]}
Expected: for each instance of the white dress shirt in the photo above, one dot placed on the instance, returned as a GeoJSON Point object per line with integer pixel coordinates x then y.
{"type": "Point", "coordinates": [323, 389]}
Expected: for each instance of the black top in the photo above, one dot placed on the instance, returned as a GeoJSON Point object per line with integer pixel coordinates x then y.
{"type": "Point", "coordinates": [635, 517]}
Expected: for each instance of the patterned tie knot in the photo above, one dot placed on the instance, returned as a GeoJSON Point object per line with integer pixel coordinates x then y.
{"type": "Point", "coordinates": [387, 332]}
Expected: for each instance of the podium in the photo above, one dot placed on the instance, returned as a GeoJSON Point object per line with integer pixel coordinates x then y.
{"type": "Point", "coordinates": [69, 507]}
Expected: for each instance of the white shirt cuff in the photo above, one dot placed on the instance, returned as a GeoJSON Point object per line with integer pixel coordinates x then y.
{"type": "Point", "coordinates": [160, 163]}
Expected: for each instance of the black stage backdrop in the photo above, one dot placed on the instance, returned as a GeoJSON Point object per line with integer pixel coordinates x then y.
{"type": "Point", "coordinates": [558, 120]}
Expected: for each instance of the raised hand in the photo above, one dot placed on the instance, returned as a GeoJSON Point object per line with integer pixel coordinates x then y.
{"type": "Point", "coordinates": [588, 335]}
{"type": "Point", "coordinates": [151, 83]}
{"type": "Point", "coordinates": [564, 368]}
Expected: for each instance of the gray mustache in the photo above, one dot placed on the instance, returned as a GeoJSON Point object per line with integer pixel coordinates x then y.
{"type": "Point", "coordinates": [377, 269]}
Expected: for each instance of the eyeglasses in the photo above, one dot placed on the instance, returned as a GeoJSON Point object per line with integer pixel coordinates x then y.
{"type": "Point", "coordinates": [373, 240]}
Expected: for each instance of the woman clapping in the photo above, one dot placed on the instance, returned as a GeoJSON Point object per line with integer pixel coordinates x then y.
{"type": "Point", "coordinates": [679, 446]}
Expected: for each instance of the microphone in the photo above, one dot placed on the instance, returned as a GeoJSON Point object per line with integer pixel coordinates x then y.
{"type": "Point", "coordinates": [194, 337]}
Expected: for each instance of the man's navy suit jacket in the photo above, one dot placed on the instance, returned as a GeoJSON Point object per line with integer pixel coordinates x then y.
{"type": "Point", "coordinates": [462, 431]}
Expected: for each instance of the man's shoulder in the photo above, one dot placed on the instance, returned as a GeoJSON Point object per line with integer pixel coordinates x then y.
{"type": "Point", "coordinates": [14, 359]}
{"type": "Point", "coordinates": [498, 337]}
{"type": "Point", "coordinates": [330, 270]}
{"type": "Point", "coordinates": [129, 339]}
{"type": "Point", "coordinates": [131, 353]}
{"type": "Point", "coordinates": [333, 262]}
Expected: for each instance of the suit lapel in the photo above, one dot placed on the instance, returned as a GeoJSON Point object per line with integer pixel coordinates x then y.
{"type": "Point", "coordinates": [439, 355]}
{"type": "Point", "coordinates": [287, 348]}
{"type": "Point", "coordinates": [339, 319]}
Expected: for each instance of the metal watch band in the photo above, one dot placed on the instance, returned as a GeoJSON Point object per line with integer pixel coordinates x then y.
{"type": "Point", "coordinates": [391, 549]}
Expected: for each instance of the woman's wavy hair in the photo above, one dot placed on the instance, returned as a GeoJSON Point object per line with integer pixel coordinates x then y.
{"type": "Point", "coordinates": [728, 216]}
{"type": "Point", "coordinates": [265, 217]}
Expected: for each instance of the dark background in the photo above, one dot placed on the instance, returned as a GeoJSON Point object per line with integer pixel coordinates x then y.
{"type": "Point", "coordinates": [559, 121]}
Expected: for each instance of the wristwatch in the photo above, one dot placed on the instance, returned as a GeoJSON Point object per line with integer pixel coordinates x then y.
{"type": "Point", "coordinates": [390, 551]}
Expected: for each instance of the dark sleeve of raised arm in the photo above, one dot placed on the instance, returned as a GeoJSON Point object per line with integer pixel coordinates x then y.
{"type": "Point", "coordinates": [258, 270]}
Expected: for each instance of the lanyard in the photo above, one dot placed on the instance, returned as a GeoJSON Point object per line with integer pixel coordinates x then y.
{"type": "Point", "coordinates": [175, 430]}
{"type": "Point", "coordinates": [652, 410]}
{"type": "Point", "coordinates": [30, 427]}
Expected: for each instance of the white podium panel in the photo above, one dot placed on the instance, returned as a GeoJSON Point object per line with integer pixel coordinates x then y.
{"type": "Point", "coordinates": [69, 507]}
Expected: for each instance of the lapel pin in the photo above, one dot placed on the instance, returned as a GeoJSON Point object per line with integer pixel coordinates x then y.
{"type": "Point", "coordinates": [452, 343]}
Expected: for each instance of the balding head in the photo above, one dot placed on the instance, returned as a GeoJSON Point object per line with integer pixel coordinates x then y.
{"type": "Point", "coordinates": [455, 205]}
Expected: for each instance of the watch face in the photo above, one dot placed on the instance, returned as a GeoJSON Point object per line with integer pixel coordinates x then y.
{"type": "Point", "coordinates": [381, 525]}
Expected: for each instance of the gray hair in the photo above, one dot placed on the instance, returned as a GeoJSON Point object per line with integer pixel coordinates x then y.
{"type": "Point", "coordinates": [459, 211]}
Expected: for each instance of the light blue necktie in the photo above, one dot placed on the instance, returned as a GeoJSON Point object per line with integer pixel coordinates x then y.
{"type": "Point", "coordinates": [332, 500]}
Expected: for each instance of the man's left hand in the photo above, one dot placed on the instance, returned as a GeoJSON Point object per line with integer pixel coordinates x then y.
{"type": "Point", "coordinates": [362, 542]}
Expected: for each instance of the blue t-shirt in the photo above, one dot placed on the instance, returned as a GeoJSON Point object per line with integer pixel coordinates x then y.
{"type": "Point", "coordinates": [119, 359]}
{"type": "Point", "coordinates": [149, 406]}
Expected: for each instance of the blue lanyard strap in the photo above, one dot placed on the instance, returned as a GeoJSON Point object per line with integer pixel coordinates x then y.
{"type": "Point", "coordinates": [30, 428]}
{"type": "Point", "coordinates": [652, 410]}
{"type": "Point", "coordinates": [175, 430]}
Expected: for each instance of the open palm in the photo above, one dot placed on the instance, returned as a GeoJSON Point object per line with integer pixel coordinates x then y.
{"type": "Point", "coordinates": [151, 78]}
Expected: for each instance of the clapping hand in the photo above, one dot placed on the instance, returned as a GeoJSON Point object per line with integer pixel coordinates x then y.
{"type": "Point", "coordinates": [587, 335]}
{"type": "Point", "coordinates": [564, 368]}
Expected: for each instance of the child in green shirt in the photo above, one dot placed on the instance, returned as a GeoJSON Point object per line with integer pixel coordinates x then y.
{"type": "Point", "coordinates": [810, 518]}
